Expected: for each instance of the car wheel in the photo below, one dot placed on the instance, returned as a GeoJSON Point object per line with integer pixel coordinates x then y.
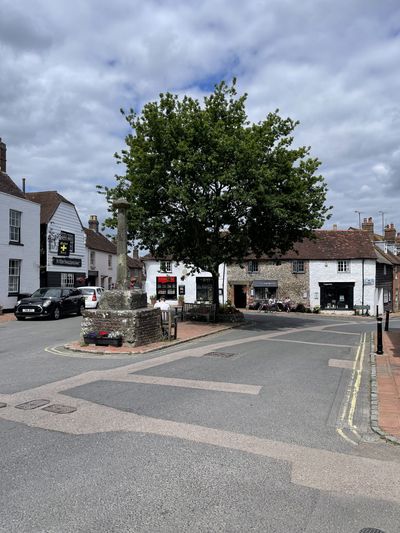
{"type": "Point", "coordinates": [56, 315]}
{"type": "Point", "coordinates": [20, 318]}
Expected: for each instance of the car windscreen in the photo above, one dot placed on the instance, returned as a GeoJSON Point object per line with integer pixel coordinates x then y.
{"type": "Point", "coordinates": [47, 293]}
{"type": "Point", "coordinates": [86, 291]}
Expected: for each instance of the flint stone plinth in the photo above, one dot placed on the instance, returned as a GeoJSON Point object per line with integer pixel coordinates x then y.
{"type": "Point", "coordinates": [125, 312]}
{"type": "Point", "coordinates": [118, 299]}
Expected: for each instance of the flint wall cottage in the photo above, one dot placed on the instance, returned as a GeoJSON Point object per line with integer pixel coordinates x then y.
{"type": "Point", "coordinates": [19, 239]}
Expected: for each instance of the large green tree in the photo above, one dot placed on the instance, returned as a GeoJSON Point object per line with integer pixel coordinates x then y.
{"type": "Point", "coordinates": [206, 186]}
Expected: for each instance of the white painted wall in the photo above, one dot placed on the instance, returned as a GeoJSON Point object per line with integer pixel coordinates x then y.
{"type": "Point", "coordinates": [326, 272]}
{"type": "Point", "coordinates": [29, 253]}
{"type": "Point", "coordinates": [189, 281]}
{"type": "Point", "coordinates": [101, 265]}
{"type": "Point", "coordinates": [66, 219]}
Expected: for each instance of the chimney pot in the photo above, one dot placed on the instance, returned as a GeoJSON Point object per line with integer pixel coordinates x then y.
{"type": "Point", "coordinates": [94, 223]}
{"type": "Point", "coordinates": [3, 156]}
{"type": "Point", "coordinates": [335, 227]}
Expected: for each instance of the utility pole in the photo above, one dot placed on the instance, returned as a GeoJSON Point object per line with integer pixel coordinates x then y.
{"type": "Point", "coordinates": [359, 218]}
{"type": "Point", "coordinates": [383, 221]}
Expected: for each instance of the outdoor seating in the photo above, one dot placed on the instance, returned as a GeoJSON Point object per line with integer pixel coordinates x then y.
{"type": "Point", "coordinates": [199, 311]}
{"type": "Point", "coordinates": [169, 324]}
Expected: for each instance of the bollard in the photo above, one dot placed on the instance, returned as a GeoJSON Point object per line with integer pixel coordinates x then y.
{"type": "Point", "coordinates": [377, 311]}
{"type": "Point", "coordinates": [387, 321]}
{"type": "Point", "coordinates": [379, 343]}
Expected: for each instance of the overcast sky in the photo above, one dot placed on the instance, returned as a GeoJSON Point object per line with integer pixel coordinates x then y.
{"type": "Point", "coordinates": [68, 66]}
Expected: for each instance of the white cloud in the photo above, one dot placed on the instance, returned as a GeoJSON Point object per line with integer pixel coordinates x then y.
{"type": "Point", "coordinates": [67, 68]}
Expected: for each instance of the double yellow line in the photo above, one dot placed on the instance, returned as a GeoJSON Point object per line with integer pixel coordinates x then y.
{"type": "Point", "coordinates": [347, 416]}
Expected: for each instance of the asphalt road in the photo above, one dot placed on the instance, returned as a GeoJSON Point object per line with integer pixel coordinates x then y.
{"type": "Point", "coordinates": [261, 428]}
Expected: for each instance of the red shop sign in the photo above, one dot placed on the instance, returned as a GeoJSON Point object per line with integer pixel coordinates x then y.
{"type": "Point", "coordinates": [166, 279]}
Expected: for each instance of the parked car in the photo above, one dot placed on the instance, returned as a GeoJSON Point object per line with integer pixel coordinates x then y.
{"type": "Point", "coordinates": [50, 302]}
{"type": "Point", "coordinates": [92, 296]}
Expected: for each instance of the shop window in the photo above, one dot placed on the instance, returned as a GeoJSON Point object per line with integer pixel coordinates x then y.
{"type": "Point", "coordinates": [298, 266]}
{"type": "Point", "coordinates": [14, 274]}
{"type": "Point", "coordinates": [252, 267]}
{"type": "Point", "coordinates": [166, 266]}
{"type": "Point", "coordinates": [166, 287]}
{"type": "Point", "coordinates": [67, 280]}
{"type": "Point", "coordinates": [343, 265]}
{"type": "Point", "coordinates": [15, 226]}
{"type": "Point", "coordinates": [204, 289]}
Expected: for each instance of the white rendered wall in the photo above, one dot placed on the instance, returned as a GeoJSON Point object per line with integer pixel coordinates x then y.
{"type": "Point", "coordinates": [326, 272]}
{"type": "Point", "coordinates": [101, 265]}
{"type": "Point", "coordinates": [29, 253]}
{"type": "Point", "coordinates": [189, 281]}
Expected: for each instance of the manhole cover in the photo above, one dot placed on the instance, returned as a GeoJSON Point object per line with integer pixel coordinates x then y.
{"type": "Point", "coordinates": [60, 409]}
{"type": "Point", "coordinates": [33, 404]}
{"type": "Point", "coordinates": [371, 530]}
{"type": "Point", "coordinates": [218, 354]}
{"type": "Point", "coordinates": [2, 404]}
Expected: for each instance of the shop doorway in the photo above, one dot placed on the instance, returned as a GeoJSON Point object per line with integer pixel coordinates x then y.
{"type": "Point", "coordinates": [239, 296]}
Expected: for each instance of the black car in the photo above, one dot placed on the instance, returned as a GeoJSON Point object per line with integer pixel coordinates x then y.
{"type": "Point", "coordinates": [51, 302]}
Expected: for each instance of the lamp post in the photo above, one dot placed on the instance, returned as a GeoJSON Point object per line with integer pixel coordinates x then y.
{"type": "Point", "coordinates": [359, 218]}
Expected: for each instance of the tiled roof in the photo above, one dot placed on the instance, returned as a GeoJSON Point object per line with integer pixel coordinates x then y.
{"type": "Point", "coordinates": [334, 244]}
{"type": "Point", "coordinates": [97, 241]}
{"type": "Point", "coordinates": [386, 257]}
{"type": "Point", "coordinates": [49, 201]}
{"type": "Point", "coordinates": [9, 187]}
{"type": "Point", "coordinates": [134, 263]}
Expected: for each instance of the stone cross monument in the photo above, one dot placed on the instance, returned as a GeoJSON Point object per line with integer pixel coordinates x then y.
{"type": "Point", "coordinates": [122, 205]}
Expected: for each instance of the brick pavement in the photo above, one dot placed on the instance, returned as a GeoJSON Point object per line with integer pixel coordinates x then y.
{"type": "Point", "coordinates": [388, 384]}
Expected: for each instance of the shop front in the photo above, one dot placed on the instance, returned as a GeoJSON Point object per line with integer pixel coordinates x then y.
{"type": "Point", "coordinates": [338, 296]}
{"type": "Point", "coordinates": [166, 287]}
{"type": "Point", "coordinates": [264, 289]}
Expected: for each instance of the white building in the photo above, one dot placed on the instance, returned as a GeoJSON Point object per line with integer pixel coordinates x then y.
{"type": "Point", "coordinates": [63, 254]}
{"type": "Point", "coordinates": [342, 270]}
{"type": "Point", "coordinates": [170, 280]}
{"type": "Point", "coordinates": [19, 239]}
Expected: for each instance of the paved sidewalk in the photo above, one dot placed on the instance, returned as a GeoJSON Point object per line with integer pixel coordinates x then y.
{"type": "Point", "coordinates": [388, 384]}
{"type": "Point", "coordinates": [186, 332]}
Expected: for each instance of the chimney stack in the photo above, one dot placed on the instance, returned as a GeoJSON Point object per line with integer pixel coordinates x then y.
{"type": "Point", "coordinates": [94, 223]}
{"type": "Point", "coordinates": [334, 227]}
{"type": "Point", "coordinates": [3, 159]}
{"type": "Point", "coordinates": [135, 253]}
{"type": "Point", "coordinates": [390, 233]}
{"type": "Point", "coordinates": [368, 225]}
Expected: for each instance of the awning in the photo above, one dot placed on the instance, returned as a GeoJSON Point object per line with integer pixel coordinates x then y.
{"type": "Point", "coordinates": [265, 283]}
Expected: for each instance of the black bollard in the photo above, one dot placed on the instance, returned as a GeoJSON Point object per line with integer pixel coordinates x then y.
{"type": "Point", "coordinates": [377, 311]}
{"type": "Point", "coordinates": [387, 321]}
{"type": "Point", "coordinates": [379, 343]}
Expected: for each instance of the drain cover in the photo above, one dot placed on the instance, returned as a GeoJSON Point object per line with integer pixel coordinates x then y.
{"type": "Point", "coordinates": [33, 404]}
{"type": "Point", "coordinates": [2, 404]}
{"type": "Point", "coordinates": [59, 409]}
{"type": "Point", "coordinates": [218, 354]}
{"type": "Point", "coordinates": [371, 530]}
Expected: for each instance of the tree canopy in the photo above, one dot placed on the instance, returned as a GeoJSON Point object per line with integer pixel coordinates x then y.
{"type": "Point", "coordinates": [207, 186]}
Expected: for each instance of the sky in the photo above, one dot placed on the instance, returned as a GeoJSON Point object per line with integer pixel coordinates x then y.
{"type": "Point", "coordinates": [68, 66]}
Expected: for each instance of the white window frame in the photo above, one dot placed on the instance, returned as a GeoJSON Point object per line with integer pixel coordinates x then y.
{"type": "Point", "coordinates": [252, 266]}
{"type": "Point", "coordinates": [14, 275]}
{"type": "Point", "coordinates": [298, 266]}
{"type": "Point", "coordinates": [343, 266]}
{"type": "Point", "coordinates": [67, 279]}
{"type": "Point", "coordinates": [15, 226]}
{"type": "Point", "coordinates": [165, 266]}
{"type": "Point", "coordinates": [92, 259]}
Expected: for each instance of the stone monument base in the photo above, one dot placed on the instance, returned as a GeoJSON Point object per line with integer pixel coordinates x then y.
{"type": "Point", "coordinates": [137, 326]}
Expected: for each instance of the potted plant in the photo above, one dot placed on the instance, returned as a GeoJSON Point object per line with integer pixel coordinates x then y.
{"type": "Point", "coordinates": [104, 338]}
